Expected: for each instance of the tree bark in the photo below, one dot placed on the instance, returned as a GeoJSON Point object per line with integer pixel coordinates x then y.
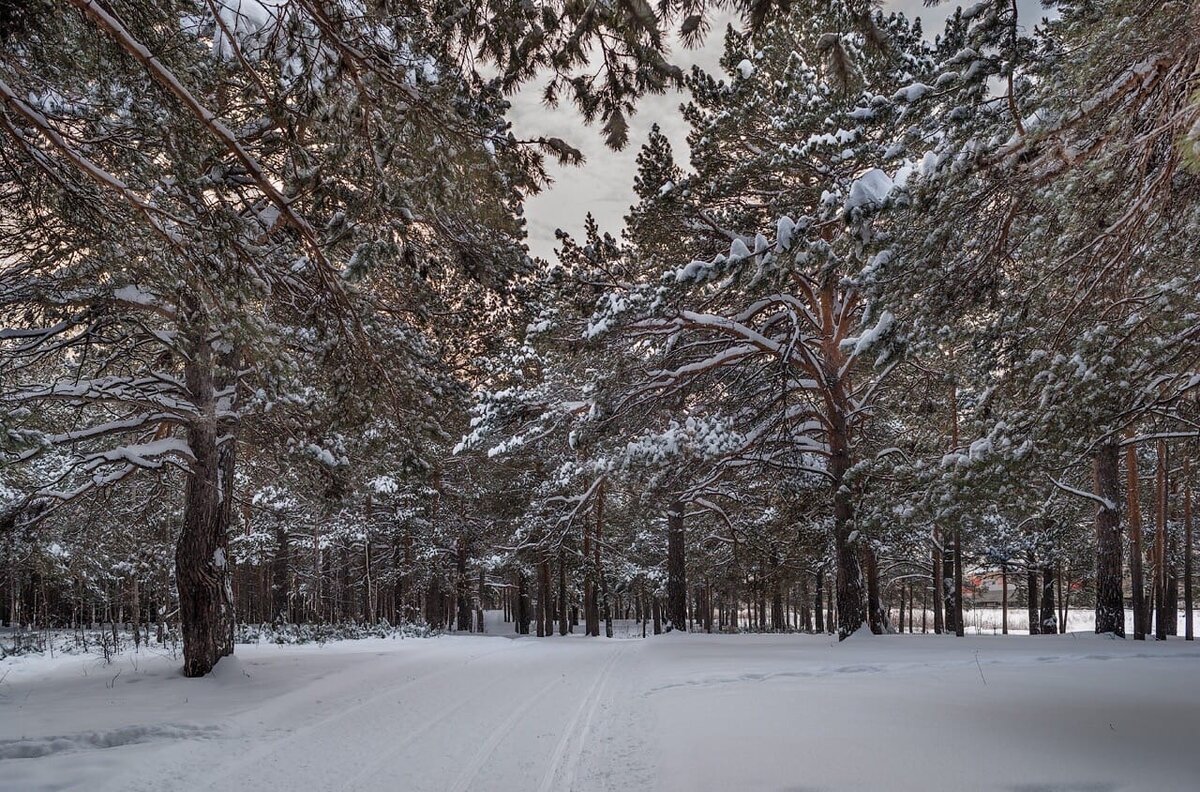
{"type": "Point", "coordinates": [1188, 550]}
{"type": "Point", "coordinates": [1110, 600]}
{"type": "Point", "coordinates": [939, 623]}
{"type": "Point", "coordinates": [1031, 582]}
{"type": "Point", "coordinates": [201, 556]}
{"type": "Point", "coordinates": [462, 588]}
{"type": "Point", "coordinates": [1049, 622]}
{"type": "Point", "coordinates": [523, 604]}
{"type": "Point", "coordinates": [563, 625]}
{"type": "Point", "coordinates": [959, 626]}
{"type": "Point", "coordinates": [676, 568]}
{"type": "Point", "coordinates": [1136, 576]}
{"type": "Point", "coordinates": [547, 606]}
{"type": "Point", "coordinates": [1004, 599]}
{"type": "Point", "coordinates": [851, 599]}
{"type": "Point", "coordinates": [876, 617]}
{"type": "Point", "coordinates": [818, 606]}
{"type": "Point", "coordinates": [1160, 547]}
{"type": "Point", "coordinates": [948, 565]}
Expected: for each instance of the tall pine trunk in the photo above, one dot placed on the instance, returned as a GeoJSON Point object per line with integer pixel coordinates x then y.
{"type": "Point", "coordinates": [1188, 549]}
{"type": "Point", "coordinates": [676, 568]}
{"type": "Point", "coordinates": [939, 623]}
{"type": "Point", "coordinates": [281, 572]}
{"type": "Point", "coordinates": [201, 556]}
{"type": "Point", "coordinates": [947, 593]}
{"type": "Point", "coordinates": [876, 616]}
{"type": "Point", "coordinates": [959, 626]}
{"type": "Point", "coordinates": [1110, 601]}
{"type": "Point", "coordinates": [462, 588]}
{"type": "Point", "coordinates": [1004, 599]}
{"type": "Point", "coordinates": [851, 599]}
{"type": "Point", "coordinates": [563, 624]}
{"type": "Point", "coordinates": [1160, 548]}
{"type": "Point", "coordinates": [1032, 585]}
{"type": "Point", "coordinates": [1136, 551]}
{"type": "Point", "coordinates": [1049, 622]}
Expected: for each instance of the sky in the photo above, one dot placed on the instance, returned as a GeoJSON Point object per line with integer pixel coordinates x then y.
{"type": "Point", "coordinates": [603, 185]}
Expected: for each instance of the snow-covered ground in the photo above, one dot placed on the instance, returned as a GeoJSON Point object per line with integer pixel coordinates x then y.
{"type": "Point", "coordinates": [678, 713]}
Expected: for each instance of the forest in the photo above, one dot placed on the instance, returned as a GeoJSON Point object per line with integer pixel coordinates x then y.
{"type": "Point", "coordinates": [906, 340]}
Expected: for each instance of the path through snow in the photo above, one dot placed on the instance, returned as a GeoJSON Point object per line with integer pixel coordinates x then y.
{"type": "Point", "coordinates": [677, 713]}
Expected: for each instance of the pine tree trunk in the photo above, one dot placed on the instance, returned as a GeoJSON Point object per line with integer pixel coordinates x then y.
{"type": "Point", "coordinates": [676, 568]}
{"type": "Point", "coordinates": [281, 574]}
{"type": "Point", "coordinates": [1160, 546]}
{"type": "Point", "coordinates": [1049, 621]}
{"type": "Point", "coordinates": [939, 622]}
{"type": "Point", "coordinates": [563, 626]}
{"type": "Point", "coordinates": [591, 616]}
{"type": "Point", "coordinates": [1031, 582]}
{"type": "Point", "coordinates": [462, 588]}
{"type": "Point", "coordinates": [201, 555]}
{"type": "Point", "coordinates": [544, 595]}
{"type": "Point", "coordinates": [523, 604]}
{"type": "Point", "coordinates": [818, 606]}
{"type": "Point", "coordinates": [876, 616]}
{"type": "Point", "coordinates": [1188, 550]}
{"type": "Point", "coordinates": [539, 613]}
{"type": "Point", "coordinates": [1110, 600]}
{"type": "Point", "coordinates": [947, 592]}
{"type": "Point", "coordinates": [1137, 577]}
{"type": "Point", "coordinates": [1172, 598]}
{"type": "Point", "coordinates": [959, 625]}
{"type": "Point", "coordinates": [1004, 599]}
{"type": "Point", "coordinates": [851, 596]}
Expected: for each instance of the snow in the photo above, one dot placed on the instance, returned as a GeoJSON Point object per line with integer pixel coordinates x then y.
{"type": "Point", "coordinates": [674, 713]}
{"type": "Point", "coordinates": [738, 250]}
{"type": "Point", "coordinates": [784, 229]}
{"type": "Point", "coordinates": [745, 68]}
{"type": "Point", "coordinates": [869, 190]}
{"type": "Point", "coordinates": [912, 93]}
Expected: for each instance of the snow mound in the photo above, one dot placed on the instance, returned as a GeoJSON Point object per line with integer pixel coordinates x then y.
{"type": "Point", "coordinates": [869, 191]}
{"type": "Point", "coordinates": [33, 747]}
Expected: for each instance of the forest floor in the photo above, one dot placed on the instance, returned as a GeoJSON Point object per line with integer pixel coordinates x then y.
{"type": "Point", "coordinates": [674, 713]}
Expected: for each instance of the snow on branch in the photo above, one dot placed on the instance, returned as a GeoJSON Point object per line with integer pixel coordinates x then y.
{"type": "Point", "coordinates": [1104, 503]}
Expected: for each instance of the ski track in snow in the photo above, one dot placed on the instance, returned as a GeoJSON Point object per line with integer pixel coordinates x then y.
{"type": "Point", "coordinates": [573, 732]}
{"type": "Point", "coordinates": [675, 713]}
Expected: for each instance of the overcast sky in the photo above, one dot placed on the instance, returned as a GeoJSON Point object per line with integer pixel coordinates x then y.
{"type": "Point", "coordinates": [604, 184]}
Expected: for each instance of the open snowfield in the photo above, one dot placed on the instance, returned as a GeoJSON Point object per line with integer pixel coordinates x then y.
{"type": "Point", "coordinates": [677, 713]}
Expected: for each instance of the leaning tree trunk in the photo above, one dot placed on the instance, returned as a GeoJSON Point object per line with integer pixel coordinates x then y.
{"type": "Point", "coordinates": [1110, 601]}
{"type": "Point", "coordinates": [676, 569]}
{"type": "Point", "coordinates": [201, 556]}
